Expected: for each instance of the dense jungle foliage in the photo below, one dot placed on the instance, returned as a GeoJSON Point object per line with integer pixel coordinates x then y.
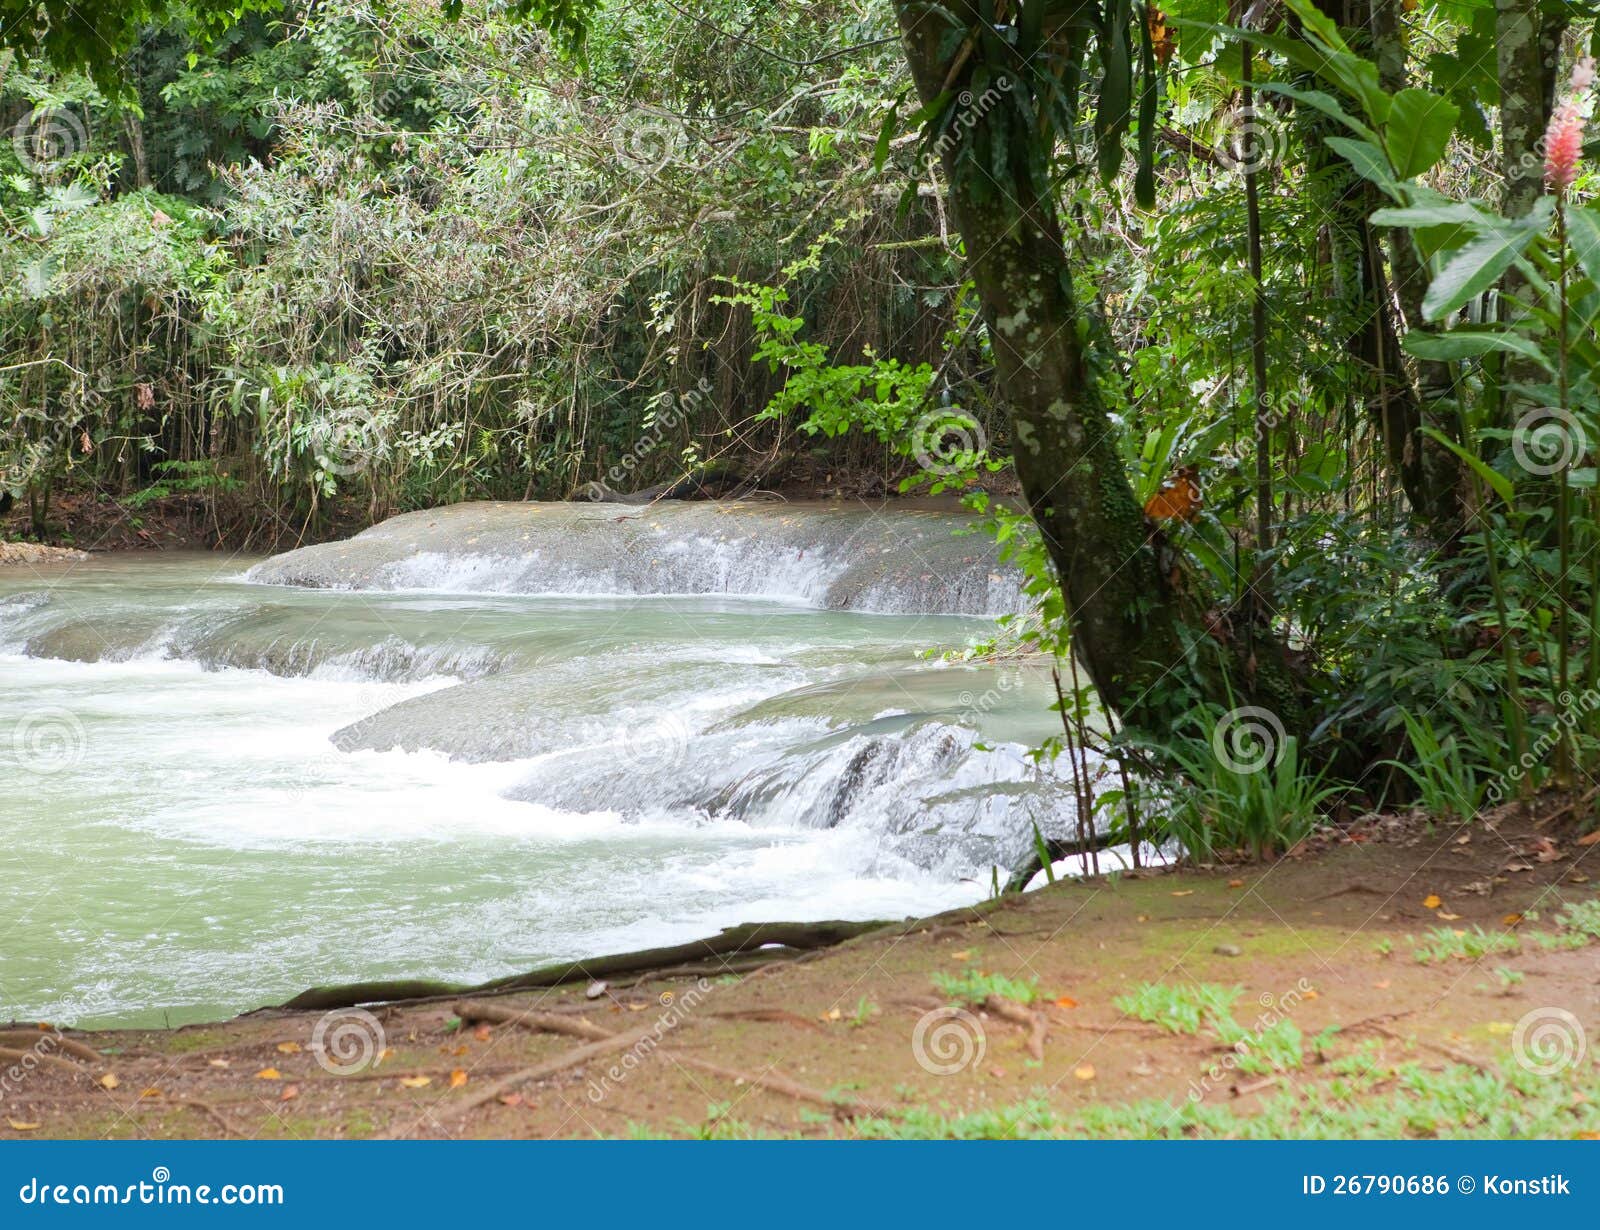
{"type": "Point", "coordinates": [1279, 317]}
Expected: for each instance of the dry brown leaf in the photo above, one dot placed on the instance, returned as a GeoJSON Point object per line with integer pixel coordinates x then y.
{"type": "Point", "coordinates": [416, 1082]}
{"type": "Point", "coordinates": [1431, 902]}
{"type": "Point", "coordinates": [269, 1074]}
{"type": "Point", "coordinates": [1066, 1001]}
{"type": "Point", "coordinates": [481, 1033]}
{"type": "Point", "coordinates": [458, 1078]}
{"type": "Point", "coordinates": [964, 955]}
{"type": "Point", "coordinates": [1235, 883]}
{"type": "Point", "coordinates": [1084, 1071]}
{"type": "Point", "coordinates": [288, 1048]}
{"type": "Point", "coordinates": [289, 1094]}
{"type": "Point", "coordinates": [1588, 839]}
{"type": "Point", "coordinates": [510, 1099]}
{"type": "Point", "coordinates": [151, 1092]}
{"type": "Point", "coordinates": [218, 1063]}
{"type": "Point", "coordinates": [1511, 920]}
{"type": "Point", "coordinates": [1448, 916]}
{"type": "Point", "coordinates": [109, 1081]}
{"type": "Point", "coordinates": [1184, 892]}
{"type": "Point", "coordinates": [18, 1126]}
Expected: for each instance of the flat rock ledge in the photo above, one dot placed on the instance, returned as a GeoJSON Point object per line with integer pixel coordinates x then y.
{"type": "Point", "coordinates": [13, 553]}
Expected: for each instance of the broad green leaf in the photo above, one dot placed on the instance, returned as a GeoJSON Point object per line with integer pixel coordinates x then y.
{"type": "Point", "coordinates": [1418, 130]}
{"type": "Point", "coordinates": [1368, 160]}
{"type": "Point", "coordinates": [1498, 482]}
{"type": "Point", "coordinates": [1478, 265]}
{"type": "Point", "coordinates": [1468, 344]}
{"type": "Point", "coordinates": [1583, 233]}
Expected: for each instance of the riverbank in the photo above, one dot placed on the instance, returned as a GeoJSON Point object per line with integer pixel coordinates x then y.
{"type": "Point", "coordinates": [1404, 979]}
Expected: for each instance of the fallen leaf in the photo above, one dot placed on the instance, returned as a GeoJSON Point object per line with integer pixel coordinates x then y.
{"type": "Point", "coordinates": [269, 1074]}
{"type": "Point", "coordinates": [416, 1082]}
{"type": "Point", "coordinates": [1500, 1028]}
{"type": "Point", "coordinates": [18, 1126]}
{"type": "Point", "coordinates": [1448, 916]}
{"type": "Point", "coordinates": [832, 1014]}
{"type": "Point", "coordinates": [1184, 892]}
{"type": "Point", "coordinates": [1084, 1071]}
{"type": "Point", "coordinates": [964, 955]}
{"type": "Point", "coordinates": [109, 1081]}
{"type": "Point", "coordinates": [1143, 918]}
{"type": "Point", "coordinates": [458, 1078]}
{"type": "Point", "coordinates": [481, 1033]}
{"type": "Point", "coordinates": [1383, 984]}
{"type": "Point", "coordinates": [1518, 867]}
{"type": "Point", "coordinates": [1511, 920]}
{"type": "Point", "coordinates": [1066, 1001]}
{"type": "Point", "coordinates": [218, 1063]}
{"type": "Point", "coordinates": [1431, 902]}
{"type": "Point", "coordinates": [1546, 851]}
{"type": "Point", "coordinates": [1588, 839]}
{"type": "Point", "coordinates": [151, 1092]}
{"type": "Point", "coordinates": [1235, 883]}
{"type": "Point", "coordinates": [459, 1051]}
{"type": "Point", "coordinates": [288, 1048]}
{"type": "Point", "coordinates": [997, 1072]}
{"type": "Point", "coordinates": [510, 1099]}
{"type": "Point", "coordinates": [289, 1094]}
{"type": "Point", "coordinates": [1577, 877]}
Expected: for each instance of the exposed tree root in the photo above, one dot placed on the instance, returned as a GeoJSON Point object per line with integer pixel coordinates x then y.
{"type": "Point", "coordinates": [1030, 1019]}
{"type": "Point", "coordinates": [33, 1039]}
{"type": "Point", "coordinates": [545, 1022]}
{"type": "Point", "coordinates": [772, 940]}
{"type": "Point", "coordinates": [9, 1054]}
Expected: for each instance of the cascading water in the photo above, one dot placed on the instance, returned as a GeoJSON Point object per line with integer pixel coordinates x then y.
{"type": "Point", "coordinates": [475, 739]}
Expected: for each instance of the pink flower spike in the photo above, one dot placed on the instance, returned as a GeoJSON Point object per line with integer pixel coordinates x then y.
{"type": "Point", "coordinates": [1563, 139]}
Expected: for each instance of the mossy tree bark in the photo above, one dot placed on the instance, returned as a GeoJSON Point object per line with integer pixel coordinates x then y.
{"type": "Point", "coordinates": [1134, 627]}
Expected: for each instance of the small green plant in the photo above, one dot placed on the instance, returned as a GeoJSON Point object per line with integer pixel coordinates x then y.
{"type": "Point", "coordinates": [973, 987]}
{"type": "Point", "coordinates": [864, 1012]}
{"type": "Point", "coordinates": [1507, 978]}
{"type": "Point", "coordinates": [1447, 785]}
{"type": "Point", "coordinates": [1182, 1010]}
{"type": "Point", "coordinates": [173, 478]}
{"type": "Point", "coordinates": [1263, 806]}
{"type": "Point", "coordinates": [1384, 947]}
{"type": "Point", "coordinates": [1445, 944]}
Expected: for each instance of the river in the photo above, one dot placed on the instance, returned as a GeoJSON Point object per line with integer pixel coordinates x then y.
{"type": "Point", "coordinates": [472, 746]}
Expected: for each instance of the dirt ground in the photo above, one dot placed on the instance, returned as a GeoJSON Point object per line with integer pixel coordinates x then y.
{"type": "Point", "coordinates": [913, 1030]}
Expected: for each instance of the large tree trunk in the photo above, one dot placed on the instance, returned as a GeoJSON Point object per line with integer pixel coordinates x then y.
{"type": "Point", "coordinates": [1124, 598]}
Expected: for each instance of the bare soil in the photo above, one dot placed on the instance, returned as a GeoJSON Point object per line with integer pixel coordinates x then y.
{"type": "Point", "coordinates": [812, 1046]}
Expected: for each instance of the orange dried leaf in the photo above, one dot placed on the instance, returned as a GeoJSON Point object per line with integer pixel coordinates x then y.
{"type": "Point", "coordinates": [481, 1033]}
{"type": "Point", "coordinates": [510, 1099]}
{"type": "Point", "coordinates": [269, 1074]}
{"type": "Point", "coordinates": [151, 1092]}
{"type": "Point", "coordinates": [109, 1081]}
{"type": "Point", "coordinates": [1066, 1001]}
{"type": "Point", "coordinates": [1432, 901]}
{"type": "Point", "coordinates": [458, 1078]}
{"type": "Point", "coordinates": [1084, 1071]}
{"type": "Point", "coordinates": [1511, 920]}
{"type": "Point", "coordinates": [416, 1082]}
{"type": "Point", "coordinates": [289, 1094]}
{"type": "Point", "coordinates": [18, 1126]}
{"type": "Point", "coordinates": [288, 1048]}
